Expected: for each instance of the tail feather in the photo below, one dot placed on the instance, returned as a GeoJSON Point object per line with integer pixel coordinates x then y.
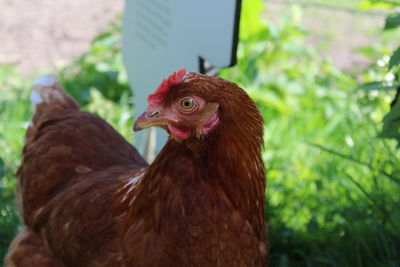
{"type": "Point", "coordinates": [49, 99]}
{"type": "Point", "coordinates": [47, 89]}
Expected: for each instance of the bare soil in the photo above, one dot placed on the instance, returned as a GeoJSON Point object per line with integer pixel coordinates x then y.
{"type": "Point", "coordinates": [41, 34]}
{"type": "Point", "coordinates": [337, 32]}
{"type": "Point", "coordinates": [38, 35]}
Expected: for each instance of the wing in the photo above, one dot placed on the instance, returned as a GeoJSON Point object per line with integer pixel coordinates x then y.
{"type": "Point", "coordinates": [63, 146]}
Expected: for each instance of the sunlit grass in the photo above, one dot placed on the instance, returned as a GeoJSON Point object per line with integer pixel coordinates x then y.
{"type": "Point", "coordinates": [333, 186]}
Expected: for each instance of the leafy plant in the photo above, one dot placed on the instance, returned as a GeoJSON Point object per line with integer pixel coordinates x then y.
{"type": "Point", "coordinates": [100, 67]}
{"type": "Point", "coordinates": [391, 122]}
{"type": "Point", "coordinates": [331, 197]}
{"type": "Point", "coordinates": [12, 123]}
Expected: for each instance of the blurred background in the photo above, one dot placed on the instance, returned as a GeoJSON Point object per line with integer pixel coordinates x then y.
{"type": "Point", "coordinates": [324, 73]}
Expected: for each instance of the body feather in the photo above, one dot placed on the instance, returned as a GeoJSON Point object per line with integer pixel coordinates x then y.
{"type": "Point", "coordinates": [88, 198]}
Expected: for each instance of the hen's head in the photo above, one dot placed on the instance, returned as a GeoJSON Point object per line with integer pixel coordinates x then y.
{"type": "Point", "coordinates": [191, 106]}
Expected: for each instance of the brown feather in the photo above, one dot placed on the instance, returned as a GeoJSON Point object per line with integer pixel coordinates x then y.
{"type": "Point", "coordinates": [91, 200]}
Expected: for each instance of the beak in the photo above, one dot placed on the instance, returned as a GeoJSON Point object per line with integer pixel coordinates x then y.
{"type": "Point", "coordinates": [147, 119]}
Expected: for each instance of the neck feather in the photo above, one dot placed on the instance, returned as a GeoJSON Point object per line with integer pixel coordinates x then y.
{"type": "Point", "coordinates": [228, 164]}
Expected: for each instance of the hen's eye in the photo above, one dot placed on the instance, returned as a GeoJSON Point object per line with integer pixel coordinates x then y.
{"type": "Point", "coordinates": [187, 104]}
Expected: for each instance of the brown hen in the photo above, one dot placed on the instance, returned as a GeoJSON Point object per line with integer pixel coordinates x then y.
{"type": "Point", "coordinates": [88, 198]}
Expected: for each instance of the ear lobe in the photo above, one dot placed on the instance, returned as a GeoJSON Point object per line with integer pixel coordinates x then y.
{"type": "Point", "coordinates": [209, 118]}
{"type": "Point", "coordinates": [209, 110]}
{"type": "Point", "coordinates": [213, 106]}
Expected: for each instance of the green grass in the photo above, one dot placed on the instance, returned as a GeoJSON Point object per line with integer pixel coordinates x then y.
{"type": "Point", "coordinates": [333, 186]}
{"type": "Point", "coordinates": [14, 110]}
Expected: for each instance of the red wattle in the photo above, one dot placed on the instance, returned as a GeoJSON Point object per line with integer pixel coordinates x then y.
{"type": "Point", "coordinates": [178, 132]}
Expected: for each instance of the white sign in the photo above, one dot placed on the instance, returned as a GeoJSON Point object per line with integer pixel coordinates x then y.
{"type": "Point", "coordinates": [162, 36]}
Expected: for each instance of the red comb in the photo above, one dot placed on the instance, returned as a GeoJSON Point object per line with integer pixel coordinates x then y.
{"type": "Point", "coordinates": [158, 96]}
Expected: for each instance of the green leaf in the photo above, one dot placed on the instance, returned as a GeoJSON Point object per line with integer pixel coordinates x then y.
{"type": "Point", "coordinates": [2, 167]}
{"type": "Point", "coordinates": [395, 58]}
{"type": "Point", "coordinates": [393, 115]}
{"type": "Point", "coordinates": [391, 130]}
{"type": "Point", "coordinates": [377, 4]}
{"type": "Point", "coordinates": [392, 21]}
{"type": "Point", "coordinates": [381, 86]}
{"type": "Point", "coordinates": [391, 124]}
{"type": "Point", "coordinates": [250, 21]}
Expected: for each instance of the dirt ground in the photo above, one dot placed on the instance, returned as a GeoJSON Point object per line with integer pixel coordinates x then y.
{"type": "Point", "coordinates": [335, 30]}
{"type": "Point", "coordinates": [41, 34]}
